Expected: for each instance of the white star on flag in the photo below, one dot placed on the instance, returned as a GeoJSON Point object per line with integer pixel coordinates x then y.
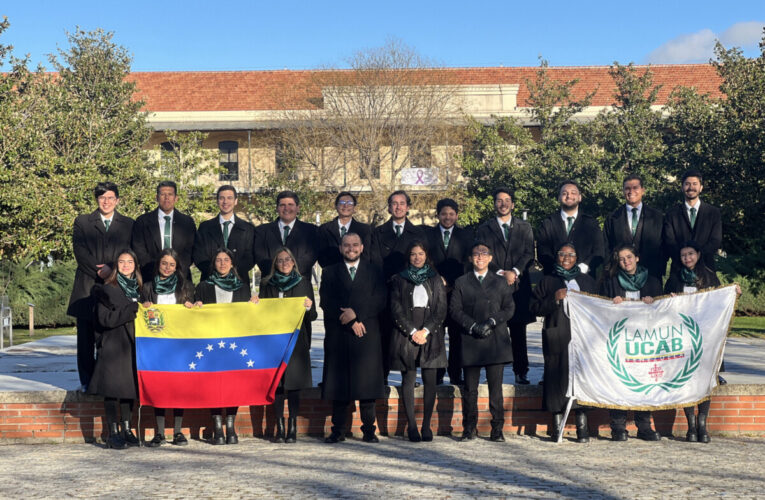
{"type": "Point", "coordinates": [199, 354]}
{"type": "Point", "coordinates": [209, 347]}
{"type": "Point", "coordinates": [222, 344]}
{"type": "Point", "coordinates": [244, 352]}
{"type": "Point", "coordinates": [250, 364]}
{"type": "Point", "coordinates": [232, 345]}
{"type": "Point", "coordinates": [192, 366]}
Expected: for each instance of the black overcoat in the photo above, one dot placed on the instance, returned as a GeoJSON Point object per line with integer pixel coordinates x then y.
{"type": "Point", "coordinates": [389, 249]}
{"type": "Point", "coordinates": [205, 293]}
{"type": "Point", "coordinates": [115, 372]}
{"type": "Point", "coordinates": [352, 365]}
{"type": "Point", "coordinates": [93, 245]}
{"type": "Point", "coordinates": [707, 232]}
{"type": "Point", "coordinates": [329, 241]}
{"type": "Point", "coordinates": [147, 241]}
{"type": "Point", "coordinates": [450, 262]}
{"type": "Point", "coordinates": [404, 352]}
{"type": "Point", "coordinates": [301, 241]}
{"type": "Point", "coordinates": [611, 288]}
{"type": "Point", "coordinates": [241, 242]}
{"type": "Point", "coordinates": [517, 252]}
{"type": "Point", "coordinates": [647, 239]}
{"type": "Point", "coordinates": [556, 335]}
{"type": "Point", "coordinates": [474, 302]}
{"type": "Point", "coordinates": [149, 294]}
{"type": "Point", "coordinates": [704, 276]}
{"type": "Point", "coordinates": [585, 235]}
{"type": "Point", "coordinates": [298, 373]}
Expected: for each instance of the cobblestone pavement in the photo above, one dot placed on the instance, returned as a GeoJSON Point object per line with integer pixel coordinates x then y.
{"type": "Point", "coordinates": [522, 467]}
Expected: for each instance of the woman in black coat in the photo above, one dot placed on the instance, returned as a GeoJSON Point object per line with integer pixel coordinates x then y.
{"type": "Point", "coordinates": [547, 300]}
{"type": "Point", "coordinates": [223, 286]}
{"type": "Point", "coordinates": [114, 376]}
{"type": "Point", "coordinates": [627, 279]}
{"type": "Point", "coordinates": [168, 287]}
{"type": "Point", "coordinates": [418, 309]}
{"type": "Point", "coordinates": [481, 305]}
{"type": "Point", "coordinates": [286, 281]}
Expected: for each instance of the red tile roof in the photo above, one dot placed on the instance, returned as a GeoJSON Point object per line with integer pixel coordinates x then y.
{"type": "Point", "coordinates": [278, 90]}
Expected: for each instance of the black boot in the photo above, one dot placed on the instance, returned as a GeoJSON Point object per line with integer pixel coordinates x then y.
{"type": "Point", "coordinates": [291, 430]}
{"type": "Point", "coordinates": [557, 426]}
{"type": "Point", "coordinates": [690, 415]}
{"type": "Point", "coordinates": [582, 431]}
{"type": "Point", "coordinates": [115, 440]}
{"type": "Point", "coordinates": [218, 430]}
{"type": "Point", "coordinates": [279, 436]}
{"type": "Point", "coordinates": [702, 434]}
{"type": "Point", "coordinates": [231, 437]}
{"type": "Point", "coordinates": [128, 435]}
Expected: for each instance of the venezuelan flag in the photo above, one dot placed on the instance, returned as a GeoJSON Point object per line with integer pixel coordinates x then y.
{"type": "Point", "coordinates": [217, 355]}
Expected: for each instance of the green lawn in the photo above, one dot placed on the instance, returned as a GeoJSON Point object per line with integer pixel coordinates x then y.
{"type": "Point", "coordinates": [21, 335]}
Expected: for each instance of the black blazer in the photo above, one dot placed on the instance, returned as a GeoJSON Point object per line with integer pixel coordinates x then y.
{"type": "Point", "coordinates": [93, 245]}
{"type": "Point", "coordinates": [585, 235]}
{"type": "Point", "coordinates": [451, 262]}
{"type": "Point", "coordinates": [241, 241]}
{"type": "Point", "coordinates": [611, 288]}
{"type": "Point", "coordinates": [205, 293]}
{"type": "Point", "coordinates": [707, 232]}
{"type": "Point", "coordinates": [647, 238]}
{"type": "Point", "coordinates": [705, 278]}
{"type": "Point", "coordinates": [148, 293]}
{"type": "Point", "coordinates": [147, 241]}
{"type": "Point", "coordinates": [329, 241]}
{"type": "Point", "coordinates": [301, 242]}
{"type": "Point", "coordinates": [389, 248]}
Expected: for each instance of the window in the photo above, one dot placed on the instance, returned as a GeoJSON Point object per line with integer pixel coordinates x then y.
{"type": "Point", "coordinates": [419, 155]}
{"type": "Point", "coordinates": [229, 160]}
{"type": "Point", "coordinates": [169, 146]}
{"type": "Point", "coordinates": [369, 163]}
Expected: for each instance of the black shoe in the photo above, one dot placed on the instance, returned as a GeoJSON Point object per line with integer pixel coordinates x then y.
{"type": "Point", "coordinates": [721, 381]}
{"type": "Point", "coordinates": [128, 435]}
{"type": "Point", "coordinates": [291, 430]}
{"type": "Point", "coordinates": [279, 436]}
{"type": "Point", "coordinates": [369, 437]}
{"type": "Point", "coordinates": [231, 437]}
{"type": "Point", "coordinates": [115, 440]}
{"type": "Point", "coordinates": [157, 441]}
{"type": "Point", "coordinates": [703, 435]}
{"type": "Point", "coordinates": [648, 435]}
{"type": "Point", "coordinates": [542, 382]}
{"type": "Point", "coordinates": [334, 437]}
{"type": "Point", "coordinates": [521, 379]}
{"type": "Point", "coordinates": [691, 436]}
{"type": "Point", "coordinates": [582, 430]}
{"type": "Point", "coordinates": [179, 439]}
{"type": "Point", "coordinates": [469, 434]}
{"type": "Point", "coordinates": [557, 426]}
{"type": "Point", "coordinates": [414, 435]}
{"type": "Point", "coordinates": [218, 437]}
{"type": "Point", "coordinates": [427, 434]}
{"type": "Point", "coordinates": [497, 436]}
{"type": "Point", "coordinates": [619, 435]}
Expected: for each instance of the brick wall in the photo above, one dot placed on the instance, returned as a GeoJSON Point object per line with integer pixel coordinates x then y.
{"type": "Point", "coordinates": [58, 416]}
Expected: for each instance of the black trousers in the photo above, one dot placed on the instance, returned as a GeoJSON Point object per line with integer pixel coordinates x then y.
{"type": "Point", "coordinates": [86, 349]}
{"type": "Point", "coordinates": [340, 412]}
{"type": "Point", "coordinates": [494, 375]}
{"type": "Point", "coordinates": [520, 352]}
{"type": "Point", "coordinates": [619, 420]}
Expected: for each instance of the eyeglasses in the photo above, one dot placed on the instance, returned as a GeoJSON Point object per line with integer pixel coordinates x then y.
{"type": "Point", "coordinates": [348, 203]}
{"type": "Point", "coordinates": [480, 254]}
{"type": "Point", "coordinates": [566, 254]}
{"type": "Point", "coordinates": [107, 198]}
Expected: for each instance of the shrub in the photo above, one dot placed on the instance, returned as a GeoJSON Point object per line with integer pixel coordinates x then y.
{"type": "Point", "coordinates": [48, 290]}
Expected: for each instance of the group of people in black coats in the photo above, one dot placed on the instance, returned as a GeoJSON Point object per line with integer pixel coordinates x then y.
{"type": "Point", "coordinates": [390, 295]}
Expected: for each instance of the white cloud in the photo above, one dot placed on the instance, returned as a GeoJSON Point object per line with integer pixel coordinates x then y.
{"type": "Point", "coordinates": [699, 47]}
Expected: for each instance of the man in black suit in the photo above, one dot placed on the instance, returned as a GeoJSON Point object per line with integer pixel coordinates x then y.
{"type": "Point", "coordinates": [330, 233]}
{"type": "Point", "coordinates": [448, 249]}
{"type": "Point", "coordinates": [569, 225]}
{"type": "Point", "coordinates": [511, 241]}
{"type": "Point", "coordinates": [163, 227]}
{"type": "Point", "coordinates": [226, 231]}
{"type": "Point", "coordinates": [287, 231]}
{"type": "Point", "coordinates": [639, 225]}
{"type": "Point", "coordinates": [390, 241]}
{"type": "Point", "coordinates": [97, 240]}
{"type": "Point", "coordinates": [693, 220]}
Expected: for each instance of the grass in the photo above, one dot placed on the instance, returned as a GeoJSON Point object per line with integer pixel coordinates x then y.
{"type": "Point", "coordinates": [21, 335]}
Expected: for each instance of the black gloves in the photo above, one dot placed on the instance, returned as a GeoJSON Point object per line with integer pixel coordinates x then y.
{"type": "Point", "coordinates": [483, 329]}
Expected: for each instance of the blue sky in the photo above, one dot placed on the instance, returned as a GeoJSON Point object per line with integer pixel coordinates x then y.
{"type": "Point", "coordinates": [254, 35]}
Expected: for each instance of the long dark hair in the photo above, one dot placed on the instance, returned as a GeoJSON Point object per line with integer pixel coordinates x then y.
{"type": "Point", "coordinates": [181, 285]}
{"type": "Point", "coordinates": [613, 266]}
{"type": "Point", "coordinates": [230, 255]}
{"type": "Point", "coordinates": [703, 273]}
{"type": "Point", "coordinates": [112, 279]}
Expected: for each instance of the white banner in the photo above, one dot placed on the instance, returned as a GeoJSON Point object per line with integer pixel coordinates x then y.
{"type": "Point", "coordinates": [416, 176]}
{"type": "Point", "coordinates": [640, 356]}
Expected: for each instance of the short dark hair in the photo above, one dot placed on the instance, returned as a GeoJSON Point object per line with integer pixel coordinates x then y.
{"type": "Point", "coordinates": [447, 202]}
{"type": "Point", "coordinates": [692, 173]}
{"type": "Point", "coordinates": [503, 189]}
{"type": "Point", "coordinates": [345, 193]}
{"type": "Point", "coordinates": [422, 244]}
{"type": "Point", "coordinates": [691, 244]}
{"type": "Point", "coordinates": [288, 194]}
{"type": "Point", "coordinates": [565, 244]}
{"type": "Point", "coordinates": [351, 233]}
{"type": "Point", "coordinates": [569, 181]}
{"type": "Point", "coordinates": [633, 177]}
{"type": "Point", "coordinates": [399, 192]}
{"type": "Point", "coordinates": [479, 243]}
{"type": "Point", "coordinates": [103, 187]}
{"type": "Point", "coordinates": [226, 187]}
{"type": "Point", "coordinates": [168, 184]}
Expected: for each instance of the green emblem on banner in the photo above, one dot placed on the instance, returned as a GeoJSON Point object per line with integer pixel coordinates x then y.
{"type": "Point", "coordinates": [154, 320]}
{"type": "Point", "coordinates": [657, 347]}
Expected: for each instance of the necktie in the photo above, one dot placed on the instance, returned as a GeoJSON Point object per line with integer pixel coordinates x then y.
{"type": "Point", "coordinates": [693, 217]}
{"type": "Point", "coordinates": [286, 233]}
{"type": "Point", "coordinates": [398, 230]}
{"type": "Point", "coordinates": [225, 232]}
{"type": "Point", "coordinates": [352, 270]}
{"type": "Point", "coordinates": [343, 231]}
{"type": "Point", "coordinates": [506, 230]}
{"type": "Point", "coordinates": [107, 223]}
{"type": "Point", "coordinates": [480, 279]}
{"type": "Point", "coordinates": [570, 223]}
{"type": "Point", "coordinates": [634, 220]}
{"type": "Point", "coordinates": [446, 238]}
{"type": "Point", "coordinates": [168, 233]}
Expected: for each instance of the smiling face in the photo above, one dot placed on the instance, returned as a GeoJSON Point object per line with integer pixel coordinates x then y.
{"type": "Point", "coordinates": [689, 257]}
{"type": "Point", "coordinates": [126, 264]}
{"type": "Point", "coordinates": [107, 202]}
{"type": "Point", "coordinates": [223, 264]}
{"type": "Point", "coordinates": [633, 192]}
{"type": "Point", "coordinates": [692, 188]}
{"type": "Point", "coordinates": [351, 247]}
{"type": "Point", "coordinates": [417, 257]}
{"type": "Point", "coordinates": [569, 197]}
{"type": "Point", "coordinates": [166, 198]}
{"type": "Point", "coordinates": [167, 266]}
{"type": "Point", "coordinates": [503, 205]}
{"type": "Point", "coordinates": [567, 257]}
{"type": "Point", "coordinates": [398, 207]}
{"type": "Point", "coordinates": [284, 263]}
{"type": "Point", "coordinates": [628, 261]}
{"type": "Point", "coordinates": [447, 217]}
{"type": "Point", "coordinates": [287, 210]}
{"type": "Point", "coordinates": [226, 202]}
{"type": "Point", "coordinates": [480, 257]}
{"type": "Point", "coordinates": [345, 206]}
